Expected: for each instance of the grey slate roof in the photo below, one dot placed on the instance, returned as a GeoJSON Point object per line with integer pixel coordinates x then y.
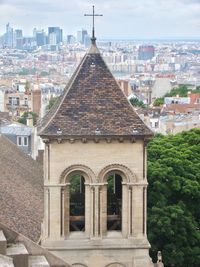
{"type": "Point", "coordinates": [92, 101]}
{"type": "Point", "coordinates": [21, 190]}
{"type": "Point", "coordinates": [16, 129]}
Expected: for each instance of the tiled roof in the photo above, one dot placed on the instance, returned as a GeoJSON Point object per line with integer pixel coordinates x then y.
{"type": "Point", "coordinates": [92, 101]}
{"type": "Point", "coordinates": [181, 108]}
{"type": "Point", "coordinates": [21, 190]}
{"type": "Point", "coordinates": [16, 129]}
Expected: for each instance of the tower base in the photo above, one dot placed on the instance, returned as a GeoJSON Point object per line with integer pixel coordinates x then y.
{"type": "Point", "coordinates": [101, 253]}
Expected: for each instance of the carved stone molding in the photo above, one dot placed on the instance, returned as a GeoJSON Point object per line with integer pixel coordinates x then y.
{"type": "Point", "coordinates": [88, 174]}
{"type": "Point", "coordinates": [127, 174]}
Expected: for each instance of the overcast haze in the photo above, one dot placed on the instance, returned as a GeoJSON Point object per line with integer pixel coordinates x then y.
{"type": "Point", "coordinates": [127, 19]}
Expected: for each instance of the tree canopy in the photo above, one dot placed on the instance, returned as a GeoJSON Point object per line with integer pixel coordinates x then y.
{"type": "Point", "coordinates": [174, 198]}
{"type": "Point", "coordinates": [52, 101]}
{"type": "Point", "coordinates": [137, 103]}
{"type": "Point", "coordinates": [25, 115]}
{"type": "Point", "coordinates": [181, 90]}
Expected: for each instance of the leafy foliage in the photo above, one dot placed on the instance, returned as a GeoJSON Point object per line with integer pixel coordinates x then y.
{"type": "Point", "coordinates": [25, 116]}
{"type": "Point", "coordinates": [182, 91]}
{"type": "Point", "coordinates": [137, 103]}
{"type": "Point", "coordinates": [174, 198]}
{"type": "Point", "coordinates": [158, 102]}
{"type": "Point", "coordinates": [52, 101]}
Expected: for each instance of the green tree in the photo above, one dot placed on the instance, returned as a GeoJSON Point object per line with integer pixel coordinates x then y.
{"type": "Point", "coordinates": [52, 101]}
{"type": "Point", "coordinates": [137, 103]}
{"type": "Point", "coordinates": [174, 198]}
{"type": "Point", "coordinates": [25, 115]}
{"type": "Point", "coordinates": [27, 86]}
{"type": "Point", "coordinates": [158, 102]}
{"type": "Point", "coordinates": [182, 91]}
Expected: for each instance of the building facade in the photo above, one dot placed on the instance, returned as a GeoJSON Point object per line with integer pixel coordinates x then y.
{"type": "Point", "coordinates": [95, 172]}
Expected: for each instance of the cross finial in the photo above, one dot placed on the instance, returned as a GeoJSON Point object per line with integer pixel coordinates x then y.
{"type": "Point", "coordinates": [93, 39]}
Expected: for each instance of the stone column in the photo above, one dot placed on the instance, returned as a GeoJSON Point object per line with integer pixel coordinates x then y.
{"type": "Point", "coordinates": [46, 229]}
{"type": "Point", "coordinates": [104, 210]}
{"type": "Point", "coordinates": [144, 210]}
{"type": "Point", "coordinates": [88, 206]}
{"type": "Point", "coordinates": [66, 209]}
{"type": "Point", "coordinates": [55, 212]}
{"type": "Point", "coordinates": [125, 209]}
{"type": "Point", "coordinates": [46, 159]}
{"type": "Point", "coordinates": [137, 210]}
{"type": "Point", "coordinates": [96, 214]}
{"type": "Point", "coordinates": [130, 211]}
{"type": "Point", "coordinates": [92, 214]}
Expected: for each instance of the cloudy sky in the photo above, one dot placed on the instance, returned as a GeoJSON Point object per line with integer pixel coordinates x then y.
{"type": "Point", "coordinates": [122, 19]}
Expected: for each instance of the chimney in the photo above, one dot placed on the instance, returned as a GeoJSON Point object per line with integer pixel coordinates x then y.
{"type": "Point", "coordinates": [29, 120]}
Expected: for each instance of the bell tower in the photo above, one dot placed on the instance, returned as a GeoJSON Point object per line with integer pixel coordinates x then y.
{"type": "Point", "coordinates": [95, 172]}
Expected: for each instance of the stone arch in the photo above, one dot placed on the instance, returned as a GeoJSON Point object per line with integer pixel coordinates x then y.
{"type": "Point", "coordinates": [115, 264]}
{"type": "Point", "coordinates": [126, 174]}
{"type": "Point", "coordinates": [77, 168]}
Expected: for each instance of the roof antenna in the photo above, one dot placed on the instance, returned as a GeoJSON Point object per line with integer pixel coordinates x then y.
{"type": "Point", "coordinates": [93, 39]}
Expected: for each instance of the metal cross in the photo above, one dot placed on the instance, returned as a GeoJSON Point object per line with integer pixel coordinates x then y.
{"type": "Point", "coordinates": [93, 15]}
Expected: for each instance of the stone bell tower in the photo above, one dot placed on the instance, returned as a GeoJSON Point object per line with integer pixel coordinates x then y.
{"type": "Point", "coordinates": [95, 172]}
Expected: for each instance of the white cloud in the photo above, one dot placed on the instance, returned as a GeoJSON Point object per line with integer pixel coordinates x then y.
{"type": "Point", "coordinates": [122, 19]}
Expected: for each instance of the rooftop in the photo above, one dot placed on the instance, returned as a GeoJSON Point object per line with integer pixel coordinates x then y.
{"type": "Point", "coordinates": [92, 101]}
{"type": "Point", "coordinates": [21, 190]}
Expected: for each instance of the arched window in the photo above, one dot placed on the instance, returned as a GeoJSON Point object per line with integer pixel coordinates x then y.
{"type": "Point", "coordinates": [114, 202]}
{"type": "Point", "coordinates": [77, 203]}
{"type": "Point", "coordinates": [76, 192]}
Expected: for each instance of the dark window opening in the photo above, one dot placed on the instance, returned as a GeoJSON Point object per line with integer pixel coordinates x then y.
{"type": "Point", "coordinates": [114, 202]}
{"type": "Point", "coordinates": [77, 203]}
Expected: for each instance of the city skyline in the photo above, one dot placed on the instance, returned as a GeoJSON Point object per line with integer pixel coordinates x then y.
{"type": "Point", "coordinates": [156, 19]}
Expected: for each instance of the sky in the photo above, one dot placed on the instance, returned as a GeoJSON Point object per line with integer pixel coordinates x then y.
{"type": "Point", "coordinates": [122, 19]}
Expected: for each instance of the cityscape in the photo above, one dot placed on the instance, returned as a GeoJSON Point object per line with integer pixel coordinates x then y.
{"type": "Point", "coordinates": [100, 134]}
{"type": "Point", "coordinates": [145, 70]}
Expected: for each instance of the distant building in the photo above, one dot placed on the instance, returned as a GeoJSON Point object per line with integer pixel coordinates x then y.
{"type": "Point", "coordinates": [70, 39]}
{"type": "Point", "coordinates": [55, 35]}
{"type": "Point", "coordinates": [9, 36]}
{"type": "Point", "coordinates": [18, 33]}
{"type": "Point", "coordinates": [40, 38]}
{"type": "Point", "coordinates": [146, 52]}
{"type": "Point", "coordinates": [87, 40]}
{"type": "Point", "coordinates": [29, 43]}
{"type": "Point", "coordinates": [176, 100]}
{"type": "Point", "coordinates": [177, 114]}
{"type": "Point", "coordinates": [125, 86]}
{"type": "Point", "coordinates": [18, 39]}
{"type": "Point", "coordinates": [81, 36]}
{"type": "Point", "coordinates": [19, 134]}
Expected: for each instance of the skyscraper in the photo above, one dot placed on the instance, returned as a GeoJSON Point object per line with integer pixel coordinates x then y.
{"type": "Point", "coordinates": [9, 36]}
{"type": "Point", "coordinates": [57, 32]}
{"type": "Point", "coordinates": [81, 36]}
{"type": "Point", "coordinates": [18, 39]}
{"type": "Point", "coordinates": [40, 38]}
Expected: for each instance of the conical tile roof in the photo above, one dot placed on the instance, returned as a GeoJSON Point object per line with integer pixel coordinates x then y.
{"type": "Point", "coordinates": [92, 103]}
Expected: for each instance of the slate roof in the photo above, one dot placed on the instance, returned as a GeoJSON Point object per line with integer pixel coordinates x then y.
{"type": "Point", "coordinates": [92, 103]}
{"type": "Point", "coordinates": [21, 190]}
{"type": "Point", "coordinates": [16, 129]}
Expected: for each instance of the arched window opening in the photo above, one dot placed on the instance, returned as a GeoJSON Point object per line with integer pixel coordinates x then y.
{"type": "Point", "coordinates": [114, 202]}
{"type": "Point", "coordinates": [77, 203]}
